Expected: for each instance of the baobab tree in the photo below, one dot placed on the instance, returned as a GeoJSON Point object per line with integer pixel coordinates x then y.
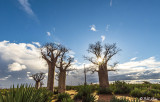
{"type": "Point", "coordinates": [38, 77]}
{"type": "Point", "coordinates": [63, 64]}
{"type": "Point", "coordinates": [50, 53]}
{"type": "Point", "coordinates": [102, 55]}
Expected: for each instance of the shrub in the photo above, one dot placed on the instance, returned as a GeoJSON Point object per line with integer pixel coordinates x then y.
{"type": "Point", "coordinates": [155, 91]}
{"type": "Point", "coordinates": [141, 93]}
{"type": "Point", "coordinates": [85, 94]}
{"type": "Point", "coordinates": [26, 93]}
{"type": "Point", "coordinates": [136, 93]}
{"type": "Point", "coordinates": [55, 91]}
{"type": "Point", "coordinates": [120, 87]}
{"type": "Point", "coordinates": [67, 100]}
{"type": "Point", "coordinates": [63, 96]}
{"type": "Point", "coordinates": [149, 94]}
{"type": "Point", "coordinates": [104, 91]}
{"type": "Point", "coordinates": [88, 98]}
{"type": "Point", "coordinates": [157, 96]}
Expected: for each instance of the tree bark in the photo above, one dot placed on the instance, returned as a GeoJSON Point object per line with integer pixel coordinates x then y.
{"type": "Point", "coordinates": [103, 77]}
{"type": "Point", "coordinates": [51, 76]}
{"type": "Point", "coordinates": [37, 86]}
{"type": "Point", "coordinates": [62, 82]}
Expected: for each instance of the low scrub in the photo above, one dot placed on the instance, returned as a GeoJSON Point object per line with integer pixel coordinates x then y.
{"type": "Point", "coordinates": [136, 93]}
{"type": "Point", "coordinates": [65, 97]}
{"type": "Point", "coordinates": [120, 87]}
{"type": "Point", "coordinates": [142, 93]}
{"type": "Point", "coordinates": [25, 93]}
{"type": "Point", "coordinates": [157, 96]}
{"type": "Point", "coordinates": [104, 91]}
{"type": "Point", "coordinates": [67, 100]}
{"type": "Point", "coordinates": [85, 94]}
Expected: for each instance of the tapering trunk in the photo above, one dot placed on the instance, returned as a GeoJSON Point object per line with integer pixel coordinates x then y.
{"type": "Point", "coordinates": [51, 76]}
{"type": "Point", "coordinates": [37, 85]}
{"type": "Point", "coordinates": [103, 77]}
{"type": "Point", "coordinates": [62, 81]}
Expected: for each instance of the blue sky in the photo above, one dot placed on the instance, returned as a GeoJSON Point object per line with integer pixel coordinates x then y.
{"type": "Point", "coordinates": [132, 24]}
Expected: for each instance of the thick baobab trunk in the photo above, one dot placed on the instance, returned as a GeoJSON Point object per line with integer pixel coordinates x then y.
{"type": "Point", "coordinates": [103, 77]}
{"type": "Point", "coordinates": [37, 85]}
{"type": "Point", "coordinates": [62, 82]}
{"type": "Point", "coordinates": [51, 76]}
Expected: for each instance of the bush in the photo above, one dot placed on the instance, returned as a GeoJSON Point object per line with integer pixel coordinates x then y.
{"type": "Point", "coordinates": [155, 91]}
{"type": "Point", "coordinates": [137, 93]}
{"type": "Point", "coordinates": [104, 91]}
{"type": "Point", "coordinates": [141, 93]}
{"type": "Point", "coordinates": [88, 98]}
{"type": "Point", "coordinates": [67, 100]}
{"type": "Point", "coordinates": [26, 93]}
{"type": "Point", "coordinates": [120, 87]}
{"type": "Point", "coordinates": [64, 97]}
{"type": "Point", "coordinates": [85, 94]}
{"type": "Point", "coordinates": [55, 91]}
{"type": "Point", "coordinates": [157, 96]}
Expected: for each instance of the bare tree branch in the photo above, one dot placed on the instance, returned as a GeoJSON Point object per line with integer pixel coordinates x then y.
{"type": "Point", "coordinates": [95, 49]}
{"type": "Point", "coordinates": [91, 60]}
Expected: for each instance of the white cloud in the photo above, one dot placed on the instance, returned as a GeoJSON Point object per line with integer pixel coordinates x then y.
{"type": "Point", "coordinates": [18, 78]}
{"type": "Point", "coordinates": [36, 43]}
{"type": "Point", "coordinates": [71, 53]}
{"type": "Point", "coordinates": [110, 3]}
{"type": "Point", "coordinates": [107, 27]}
{"type": "Point", "coordinates": [16, 67]}
{"type": "Point", "coordinates": [5, 78]}
{"type": "Point", "coordinates": [27, 7]}
{"type": "Point", "coordinates": [93, 28]}
{"type": "Point", "coordinates": [29, 75]}
{"type": "Point", "coordinates": [28, 72]}
{"type": "Point", "coordinates": [48, 33]}
{"type": "Point", "coordinates": [132, 59]}
{"type": "Point", "coordinates": [23, 54]}
{"type": "Point", "coordinates": [103, 38]}
{"type": "Point", "coordinates": [139, 66]}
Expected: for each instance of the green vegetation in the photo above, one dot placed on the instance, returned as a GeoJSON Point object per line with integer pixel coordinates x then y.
{"type": "Point", "coordinates": [67, 100]}
{"type": "Point", "coordinates": [104, 91]}
{"type": "Point", "coordinates": [85, 94]}
{"type": "Point", "coordinates": [25, 93]}
{"type": "Point", "coordinates": [114, 99]}
{"type": "Point", "coordinates": [120, 87]}
{"type": "Point", "coordinates": [64, 97]}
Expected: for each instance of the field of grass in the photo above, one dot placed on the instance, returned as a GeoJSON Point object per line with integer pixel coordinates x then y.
{"type": "Point", "coordinates": [117, 92]}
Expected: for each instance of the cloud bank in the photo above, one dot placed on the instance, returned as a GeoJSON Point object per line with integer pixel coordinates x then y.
{"type": "Point", "coordinates": [21, 56]}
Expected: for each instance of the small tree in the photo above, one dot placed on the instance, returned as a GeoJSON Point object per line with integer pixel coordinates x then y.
{"type": "Point", "coordinates": [102, 55]}
{"type": "Point", "coordinates": [63, 65]}
{"type": "Point", "coordinates": [50, 53]}
{"type": "Point", "coordinates": [38, 77]}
